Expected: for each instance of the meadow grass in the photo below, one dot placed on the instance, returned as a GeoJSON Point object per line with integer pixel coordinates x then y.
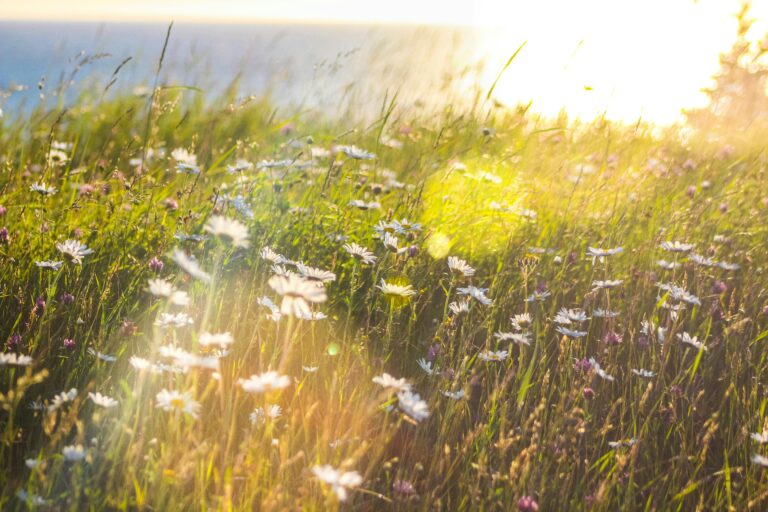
{"type": "Point", "coordinates": [521, 199]}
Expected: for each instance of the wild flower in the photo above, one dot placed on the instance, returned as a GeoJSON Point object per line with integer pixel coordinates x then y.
{"type": "Point", "coordinates": [61, 399]}
{"type": "Point", "coordinates": [411, 404]}
{"type": "Point", "coordinates": [176, 401]}
{"type": "Point", "coordinates": [207, 339]}
{"type": "Point", "coordinates": [228, 230]}
{"type": "Point", "coordinates": [676, 246]}
{"type": "Point", "coordinates": [599, 370]}
{"type": "Point", "coordinates": [74, 250]}
{"type": "Point", "coordinates": [647, 374]}
{"type": "Point", "coordinates": [600, 254]}
{"type": "Point", "coordinates": [728, 266]}
{"type": "Point", "coordinates": [569, 316]}
{"type": "Point", "coordinates": [363, 205]}
{"type": "Point", "coordinates": [356, 153]}
{"type": "Point", "coordinates": [297, 294]}
{"type": "Point", "coordinates": [476, 293]}
{"type": "Point", "coordinates": [162, 288]}
{"type": "Point", "coordinates": [42, 189]}
{"type": "Point", "coordinates": [701, 260]}
{"type": "Point", "coordinates": [538, 296]}
{"type": "Point", "coordinates": [459, 307]}
{"type": "Point", "coordinates": [50, 265]}
{"type": "Point", "coordinates": [522, 321]}
{"type": "Point", "coordinates": [315, 274]}
{"type": "Point", "coordinates": [758, 459]}
{"type": "Point", "coordinates": [190, 266]}
{"type": "Point", "coordinates": [33, 499]}
{"type": "Point", "coordinates": [73, 453]}
{"type": "Point", "coordinates": [604, 313]}
{"type": "Point", "coordinates": [571, 333]}
{"type": "Point", "coordinates": [340, 481]}
{"type": "Point", "coordinates": [102, 400]}
{"type": "Point", "coordinates": [455, 395]}
{"type": "Point", "coordinates": [515, 337]}
{"type": "Point", "coordinates": [692, 341]}
{"type": "Point", "coordinates": [385, 380]}
{"type": "Point", "coordinates": [760, 437]}
{"type": "Point", "coordinates": [264, 382]}
{"type": "Point", "coordinates": [182, 359]}
{"type": "Point", "coordinates": [12, 359]}
{"type": "Point", "coordinates": [604, 285]}
{"type": "Point", "coordinates": [668, 265]}
{"type": "Point", "coordinates": [391, 244]}
{"type": "Point", "coordinates": [426, 366]}
{"type": "Point", "coordinates": [396, 290]}
{"type": "Point", "coordinates": [275, 314]}
{"type": "Point", "coordinates": [459, 266]}
{"type": "Point", "coordinates": [184, 156]}
{"type": "Point", "coordinates": [101, 356]}
{"type": "Point", "coordinates": [493, 356]}
{"type": "Point", "coordinates": [360, 253]}
{"type": "Point", "coordinates": [260, 414]}
{"type": "Point", "coordinates": [166, 320]}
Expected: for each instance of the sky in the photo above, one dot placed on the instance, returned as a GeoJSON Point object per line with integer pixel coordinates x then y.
{"type": "Point", "coordinates": [629, 58]}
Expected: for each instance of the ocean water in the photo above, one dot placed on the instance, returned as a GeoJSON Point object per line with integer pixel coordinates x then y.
{"type": "Point", "coordinates": [331, 68]}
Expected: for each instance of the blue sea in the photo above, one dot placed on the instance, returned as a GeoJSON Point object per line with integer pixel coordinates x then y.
{"type": "Point", "coordinates": [332, 68]}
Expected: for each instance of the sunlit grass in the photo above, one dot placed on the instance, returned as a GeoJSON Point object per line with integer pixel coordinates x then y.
{"type": "Point", "coordinates": [509, 424]}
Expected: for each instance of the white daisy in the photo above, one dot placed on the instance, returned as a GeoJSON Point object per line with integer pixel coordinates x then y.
{"type": "Point", "coordinates": [339, 481]}
{"type": "Point", "coordinates": [297, 293]}
{"type": "Point", "coordinates": [42, 189]}
{"type": "Point", "coordinates": [491, 356]}
{"type": "Point", "coordinates": [101, 356]}
{"type": "Point", "coordinates": [230, 230]}
{"type": "Point", "coordinates": [521, 322]}
{"type": "Point", "coordinates": [515, 337]}
{"type": "Point", "coordinates": [396, 290]}
{"type": "Point", "coordinates": [265, 382]}
{"type": "Point", "coordinates": [644, 373]}
{"type": "Point", "coordinates": [103, 400]}
{"type": "Point", "coordinates": [51, 265]}
{"type": "Point", "coordinates": [459, 266]}
{"type": "Point", "coordinates": [173, 320]}
{"type": "Point", "coordinates": [74, 250]}
{"type": "Point", "coordinates": [61, 399]}
{"type": "Point", "coordinates": [458, 307]}
{"type": "Point", "coordinates": [412, 404]}
{"type": "Point", "coordinates": [385, 380]}
{"type": "Point", "coordinates": [315, 274]}
{"type": "Point", "coordinates": [12, 359]}
{"type": "Point", "coordinates": [692, 341]}
{"type": "Point", "coordinates": [598, 253]}
{"type": "Point", "coordinates": [568, 316]}
{"type": "Point", "coordinates": [570, 332]}
{"type": "Point", "coordinates": [701, 260]}
{"type": "Point", "coordinates": [599, 370]}
{"type": "Point", "coordinates": [73, 453]}
{"type": "Point", "coordinates": [676, 246]}
{"type": "Point", "coordinates": [175, 401]}
{"type": "Point", "coordinates": [356, 153]}
{"type": "Point", "coordinates": [190, 266]}
{"type": "Point", "coordinates": [427, 367]}
{"type": "Point", "coordinates": [360, 253]}
{"type": "Point", "coordinates": [602, 285]}
{"type": "Point", "coordinates": [207, 339]}
{"type": "Point", "coordinates": [476, 293]}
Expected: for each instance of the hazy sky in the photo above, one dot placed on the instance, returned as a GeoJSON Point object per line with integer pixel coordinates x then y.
{"type": "Point", "coordinates": [626, 56]}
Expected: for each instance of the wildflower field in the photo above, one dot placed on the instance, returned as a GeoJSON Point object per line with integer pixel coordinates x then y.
{"type": "Point", "coordinates": [209, 305]}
